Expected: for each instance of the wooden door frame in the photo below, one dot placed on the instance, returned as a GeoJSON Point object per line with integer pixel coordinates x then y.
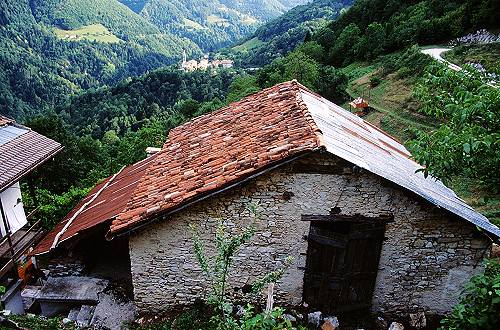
{"type": "Point", "coordinates": [381, 220]}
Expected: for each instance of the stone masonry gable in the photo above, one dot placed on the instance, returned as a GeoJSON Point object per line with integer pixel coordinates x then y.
{"type": "Point", "coordinates": [426, 258]}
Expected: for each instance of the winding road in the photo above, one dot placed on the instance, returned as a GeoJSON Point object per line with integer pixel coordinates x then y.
{"type": "Point", "coordinates": [436, 54]}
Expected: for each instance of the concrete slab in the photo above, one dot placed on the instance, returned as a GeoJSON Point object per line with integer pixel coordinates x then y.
{"type": "Point", "coordinates": [73, 314]}
{"type": "Point", "coordinates": [72, 289]}
{"type": "Point", "coordinates": [60, 294]}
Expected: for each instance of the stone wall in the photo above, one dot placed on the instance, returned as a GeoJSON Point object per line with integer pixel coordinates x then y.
{"type": "Point", "coordinates": [426, 258]}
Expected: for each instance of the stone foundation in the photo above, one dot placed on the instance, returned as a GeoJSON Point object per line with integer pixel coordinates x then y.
{"type": "Point", "coordinates": [427, 257]}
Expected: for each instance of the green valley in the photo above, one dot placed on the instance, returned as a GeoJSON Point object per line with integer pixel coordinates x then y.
{"type": "Point", "coordinates": [281, 35]}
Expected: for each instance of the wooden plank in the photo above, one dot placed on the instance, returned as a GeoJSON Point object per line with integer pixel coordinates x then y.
{"type": "Point", "coordinates": [321, 169]}
{"type": "Point", "coordinates": [347, 218]}
{"type": "Point", "coordinates": [327, 241]}
{"type": "Point", "coordinates": [342, 261]}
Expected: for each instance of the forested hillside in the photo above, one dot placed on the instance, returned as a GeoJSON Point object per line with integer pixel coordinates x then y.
{"type": "Point", "coordinates": [281, 35]}
{"type": "Point", "coordinates": [105, 129]}
{"type": "Point", "coordinates": [371, 46]}
{"type": "Point", "coordinates": [50, 50]}
{"type": "Point", "coordinates": [211, 24]}
{"type": "Point", "coordinates": [135, 102]}
{"type": "Point", "coordinates": [373, 27]}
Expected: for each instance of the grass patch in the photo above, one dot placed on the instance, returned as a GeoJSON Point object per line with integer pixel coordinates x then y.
{"type": "Point", "coordinates": [395, 109]}
{"type": "Point", "coordinates": [192, 24]}
{"type": "Point", "coordinates": [248, 45]}
{"type": "Point", "coordinates": [249, 20]}
{"type": "Point", "coordinates": [214, 19]}
{"type": "Point", "coordinates": [357, 70]}
{"type": "Point", "coordinates": [94, 32]}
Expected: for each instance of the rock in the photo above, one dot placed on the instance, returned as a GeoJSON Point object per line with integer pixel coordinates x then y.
{"type": "Point", "coordinates": [495, 251]}
{"type": "Point", "coordinates": [84, 316]}
{"type": "Point", "coordinates": [289, 317]}
{"type": "Point", "coordinates": [327, 325]}
{"type": "Point", "coordinates": [240, 311]}
{"type": "Point", "coordinates": [417, 320]}
{"type": "Point", "coordinates": [73, 314]}
{"type": "Point", "coordinates": [396, 326]}
{"type": "Point", "coordinates": [380, 323]}
{"type": "Point", "coordinates": [112, 311]}
{"type": "Point", "coordinates": [66, 321]}
{"type": "Point", "coordinates": [314, 318]}
{"type": "Point", "coordinates": [331, 323]}
{"type": "Point", "coordinates": [6, 312]}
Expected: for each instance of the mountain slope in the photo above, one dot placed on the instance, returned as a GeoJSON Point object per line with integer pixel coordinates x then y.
{"type": "Point", "coordinates": [48, 50]}
{"type": "Point", "coordinates": [281, 35]}
{"type": "Point", "coordinates": [210, 23]}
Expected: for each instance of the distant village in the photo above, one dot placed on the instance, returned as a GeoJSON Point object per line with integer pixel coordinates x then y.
{"type": "Point", "coordinates": [204, 63]}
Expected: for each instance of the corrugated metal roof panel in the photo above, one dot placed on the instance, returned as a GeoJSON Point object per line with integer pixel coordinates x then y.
{"type": "Point", "coordinates": [380, 154]}
{"type": "Point", "coordinates": [10, 132]}
{"type": "Point", "coordinates": [109, 203]}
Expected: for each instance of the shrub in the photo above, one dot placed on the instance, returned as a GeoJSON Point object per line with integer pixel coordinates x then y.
{"type": "Point", "coordinates": [375, 81]}
{"type": "Point", "coordinates": [479, 306]}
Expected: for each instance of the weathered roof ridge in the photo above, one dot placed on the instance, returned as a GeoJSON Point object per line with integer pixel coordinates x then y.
{"type": "Point", "coordinates": [274, 136]}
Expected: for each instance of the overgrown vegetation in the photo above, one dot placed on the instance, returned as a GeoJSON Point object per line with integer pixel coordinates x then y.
{"type": "Point", "coordinates": [33, 322]}
{"type": "Point", "coordinates": [467, 144]}
{"type": "Point", "coordinates": [373, 27]}
{"type": "Point", "coordinates": [488, 55]}
{"type": "Point", "coordinates": [282, 35]}
{"type": "Point", "coordinates": [479, 306]}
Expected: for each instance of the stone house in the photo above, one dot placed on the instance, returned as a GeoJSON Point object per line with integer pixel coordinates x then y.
{"type": "Point", "coordinates": [340, 196]}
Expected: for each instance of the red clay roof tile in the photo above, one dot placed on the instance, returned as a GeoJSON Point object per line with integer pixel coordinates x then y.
{"type": "Point", "coordinates": [216, 149]}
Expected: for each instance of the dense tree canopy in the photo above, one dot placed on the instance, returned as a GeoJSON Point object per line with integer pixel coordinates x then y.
{"type": "Point", "coordinates": [468, 142]}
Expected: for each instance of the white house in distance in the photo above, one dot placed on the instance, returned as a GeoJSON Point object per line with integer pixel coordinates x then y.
{"type": "Point", "coordinates": [204, 63]}
{"type": "Point", "coordinates": [21, 151]}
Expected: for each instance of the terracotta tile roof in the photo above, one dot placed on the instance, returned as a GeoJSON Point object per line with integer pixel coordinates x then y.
{"type": "Point", "coordinates": [222, 147]}
{"type": "Point", "coordinates": [21, 150]}
{"type": "Point", "coordinates": [108, 204]}
{"type": "Point", "coordinates": [227, 146]}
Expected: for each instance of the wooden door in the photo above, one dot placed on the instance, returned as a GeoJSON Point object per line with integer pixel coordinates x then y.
{"type": "Point", "coordinates": [342, 263]}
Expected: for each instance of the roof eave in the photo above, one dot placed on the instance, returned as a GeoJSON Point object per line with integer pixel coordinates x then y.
{"type": "Point", "coordinates": [163, 215]}
{"type": "Point", "coordinates": [22, 174]}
